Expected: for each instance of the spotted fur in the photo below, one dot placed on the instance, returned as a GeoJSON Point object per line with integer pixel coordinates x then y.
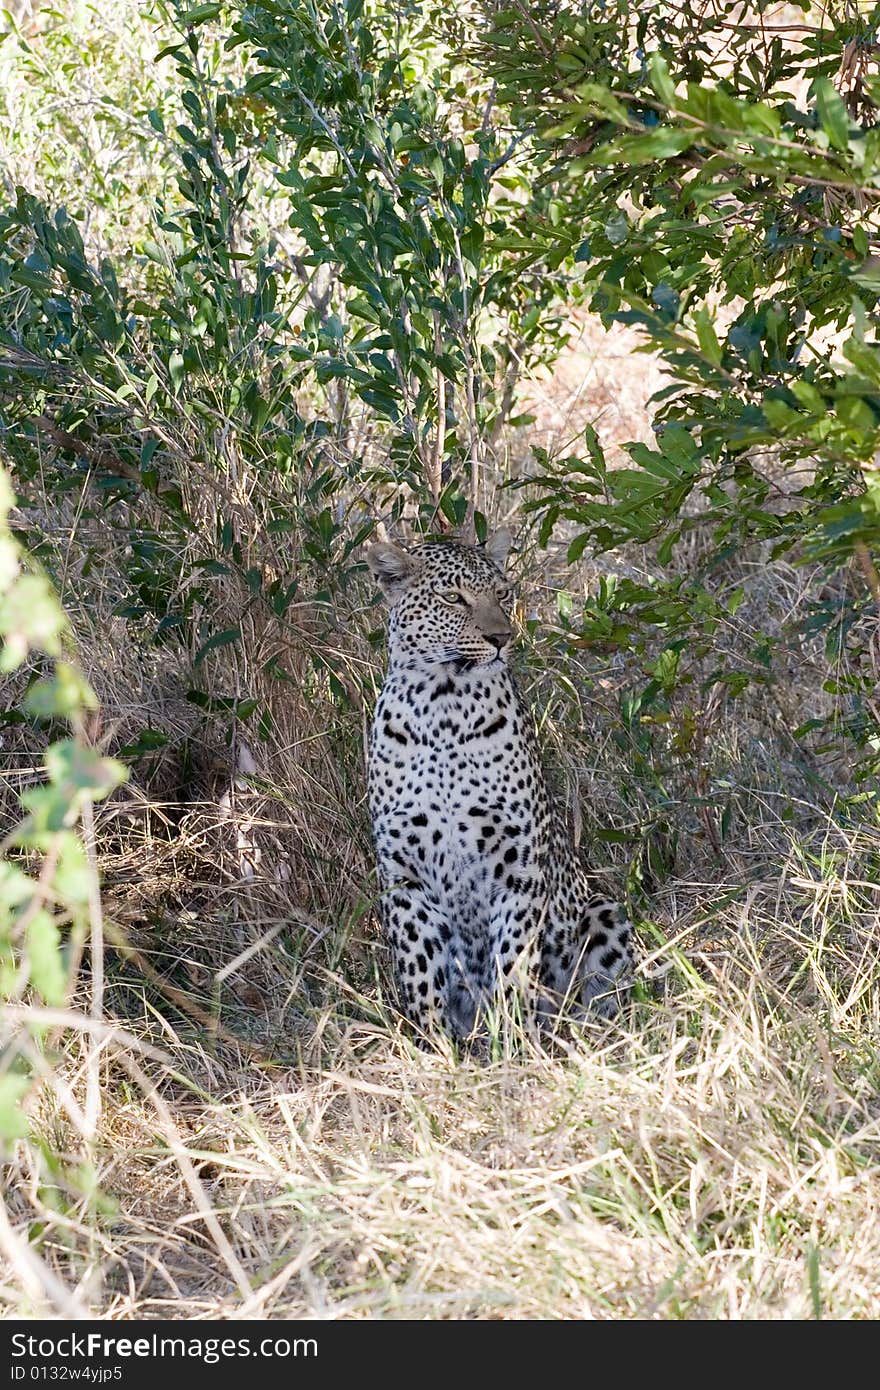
{"type": "Point", "coordinates": [480, 885]}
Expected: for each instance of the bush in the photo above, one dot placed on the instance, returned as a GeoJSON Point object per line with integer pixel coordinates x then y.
{"type": "Point", "coordinates": [715, 183]}
{"type": "Point", "coordinates": [294, 280]}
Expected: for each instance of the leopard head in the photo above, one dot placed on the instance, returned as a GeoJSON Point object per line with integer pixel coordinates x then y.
{"type": "Point", "coordinates": [450, 602]}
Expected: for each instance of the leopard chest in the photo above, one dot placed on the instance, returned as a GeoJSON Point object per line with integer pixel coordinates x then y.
{"type": "Point", "coordinates": [454, 784]}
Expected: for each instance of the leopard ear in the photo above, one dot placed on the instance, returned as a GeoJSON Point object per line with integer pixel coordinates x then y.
{"type": "Point", "coordinates": [392, 568]}
{"type": "Point", "coordinates": [497, 547]}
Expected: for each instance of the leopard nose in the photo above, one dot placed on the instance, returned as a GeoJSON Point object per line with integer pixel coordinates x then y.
{"type": "Point", "coordinates": [499, 639]}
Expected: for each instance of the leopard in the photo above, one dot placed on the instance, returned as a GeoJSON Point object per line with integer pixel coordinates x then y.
{"type": "Point", "coordinates": [482, 893]}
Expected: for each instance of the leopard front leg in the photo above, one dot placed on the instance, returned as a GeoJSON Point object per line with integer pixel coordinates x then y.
{"type": "Point", "coordinates": [607, 959]}
{"type": "Point", "coordinates": [587, 962]}
{"type": "Point", "coordinates": [518, 926]}
{"type": "Point", "coordinates": [419, 937]}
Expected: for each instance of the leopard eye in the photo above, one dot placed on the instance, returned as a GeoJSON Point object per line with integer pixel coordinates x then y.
{"type": "Point", "coordinates": [451, 596]}
{"type": "Point", "coordinates": [504, 595]}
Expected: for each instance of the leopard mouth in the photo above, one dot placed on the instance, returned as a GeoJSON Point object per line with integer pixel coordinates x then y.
{"type": "Point", "coordinates": [459, 661]}
{"type": "Point", "coordinates": [477, 663]}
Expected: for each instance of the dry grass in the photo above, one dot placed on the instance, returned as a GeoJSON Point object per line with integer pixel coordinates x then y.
{"type": "Point", "coordinates": [272, 1144]}
{"type": "Point", "coordinates": [715, 1156]}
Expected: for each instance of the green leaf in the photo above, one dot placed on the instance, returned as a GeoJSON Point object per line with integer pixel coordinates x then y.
{"type": "Point", "coordinates": [832, 113]}
{"type": "Point", "coordinates": [200, 13]}
{"type": "Point", "coordinates": [617, 228]}
{"type": "Point", "coordinates": [9, 566]}
{"type": "Point", "coordinates": [361, 308]}
{"type": "Point", "coordinates": [594, 98]}
{"type": "Point", "coordinates": [67, 693]}
{"type": "Point", "coordinates": [735, 600]}
{"type": "Point", "coordinates": [666, 667]}
{"type": "Point", "coordinates": [16, 888]}
{"type": "Point", "coordinates": [49, 810]}
{"type": "Point", "coordinates": [577, 547]}
{"type": "Point", "coordinates": [220, 639]}
{"type": "Point", "coordinates": [147, 741]}
{"type": "Point", "coordinates": [30, 617]}
{"type": "Point", "coordinates": [77, 768]}
{"type": "Point", "coordinates": [808, 396]}
{"type": "Point", "coordinates": [707, 337]}
{"type": "Point", "coordinates": [658, 72]}
{"type": "Point", "coordinates": [643, 149]}
{"type": "Point", "coordinates": [44, 959]}
{"type": "Point", "coordinates": [176, 370]}
{"type": "Point", "coordinates": [7, 497]}
{"type": "Point", "coordinates": [13, 1089]}
{"type": "Point", "coordinates": [73, 875]}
